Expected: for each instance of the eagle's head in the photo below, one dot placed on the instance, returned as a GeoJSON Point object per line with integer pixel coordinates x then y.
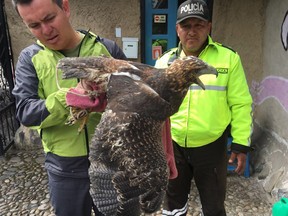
{"type": "Point", "coordinates": [188, 69]}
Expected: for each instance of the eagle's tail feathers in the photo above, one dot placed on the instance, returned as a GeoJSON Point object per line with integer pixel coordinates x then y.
{"type": "Point", "coordinates": [104, 196]}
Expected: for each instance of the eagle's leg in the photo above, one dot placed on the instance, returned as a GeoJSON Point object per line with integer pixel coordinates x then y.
{"type": "Point", "coordinates": [78, 115]}
{"type": "Point", "coordinates": [83, 122]}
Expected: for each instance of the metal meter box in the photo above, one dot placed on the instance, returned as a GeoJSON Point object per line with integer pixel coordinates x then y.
{"type": "Point", "coordinates": [130, 47]}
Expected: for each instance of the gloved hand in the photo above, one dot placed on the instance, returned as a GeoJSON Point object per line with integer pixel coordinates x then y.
{"type": "Point", "coordinates": [86, 95]}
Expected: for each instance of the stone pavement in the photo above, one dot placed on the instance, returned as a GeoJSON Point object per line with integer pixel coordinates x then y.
{"type": "Point", "coordinates": [23, 189]}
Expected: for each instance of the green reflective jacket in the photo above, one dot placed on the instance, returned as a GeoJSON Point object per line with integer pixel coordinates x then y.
{"type": "Point", "coordinates": [205, 114]}
{"type": "Point", "coordinates": [41, 105]}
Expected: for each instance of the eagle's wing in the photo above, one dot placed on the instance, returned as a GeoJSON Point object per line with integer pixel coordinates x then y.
{"type": "Point", "coordinates": [128, 169]}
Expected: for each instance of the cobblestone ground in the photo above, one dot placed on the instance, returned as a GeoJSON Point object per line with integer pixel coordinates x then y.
{"type": "Point", "coordinates": [23, 190]}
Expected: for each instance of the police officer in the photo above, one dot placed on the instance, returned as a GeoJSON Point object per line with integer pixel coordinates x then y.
{"type": "Point", "coordinates": [199, 128]}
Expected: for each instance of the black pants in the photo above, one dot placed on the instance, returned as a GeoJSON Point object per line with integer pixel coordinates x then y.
{"type": "Point", "coordinates": [70, 196]}
{"type": "Point", "coordinates": [208, 166]}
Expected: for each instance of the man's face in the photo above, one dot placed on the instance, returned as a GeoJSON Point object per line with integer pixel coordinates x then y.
{"type": "Point", "coordinates": [193, 33]}
{"type": "Point", "coordinates": [48, 22]}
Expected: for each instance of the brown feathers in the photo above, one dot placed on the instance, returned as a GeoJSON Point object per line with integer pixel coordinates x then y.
{"type": "Point", "coordinates": [128, 171]}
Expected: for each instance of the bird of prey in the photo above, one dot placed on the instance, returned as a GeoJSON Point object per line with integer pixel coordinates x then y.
{"type": "Point", "coordinates": [128, 170]}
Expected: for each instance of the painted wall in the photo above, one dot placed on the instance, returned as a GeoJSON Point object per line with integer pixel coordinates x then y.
{"type": "Point", "coordinates": [257, 30]}
{"type": "Point", "coordinates": [271, 100]}
{"type": "Point", "coordinates": [274, 88]}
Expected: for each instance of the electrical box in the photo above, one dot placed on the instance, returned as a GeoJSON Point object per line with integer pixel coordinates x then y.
{"type": "Point", "coordinates": [130, 47]}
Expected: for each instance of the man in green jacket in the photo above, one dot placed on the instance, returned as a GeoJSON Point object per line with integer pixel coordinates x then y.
{"type": "Point", "coordinates": [40, 95]}
{"type": "Point", "coordinates": [200, 127]}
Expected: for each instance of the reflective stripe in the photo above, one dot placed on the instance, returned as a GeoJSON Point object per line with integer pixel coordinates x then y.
{"type": "Point", "coordinates": [175, 212]}
{"type": "Point", "coordinates": [208, 87]}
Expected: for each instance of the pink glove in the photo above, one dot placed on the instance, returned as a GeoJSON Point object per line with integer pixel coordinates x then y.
{"type": "Point", "coordinates": [168, 148]}
{"type": "Point", "coordinates": [78, 97]}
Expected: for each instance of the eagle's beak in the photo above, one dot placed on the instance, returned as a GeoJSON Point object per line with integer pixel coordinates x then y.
{"type": "Point", "coordinates": [206, 70]}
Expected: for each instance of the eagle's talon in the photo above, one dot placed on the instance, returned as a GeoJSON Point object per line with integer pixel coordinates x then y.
{"type": "Point", "coordinates": [78, 115]}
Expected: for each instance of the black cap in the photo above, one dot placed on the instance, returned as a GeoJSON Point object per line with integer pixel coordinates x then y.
{"type": "Point", "coordinates": [193, 8]}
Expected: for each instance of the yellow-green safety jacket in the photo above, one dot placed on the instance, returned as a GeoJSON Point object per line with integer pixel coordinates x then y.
{"type": "Point", "coordinates": [205, 114]}
{"type": "Point", "coordinates": [41, 105]}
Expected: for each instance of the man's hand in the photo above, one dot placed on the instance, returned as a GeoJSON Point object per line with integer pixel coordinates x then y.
{"type": "Point", "coordinates": [241, 162]}
{"type": "Point", "coordinates": [86, 96]}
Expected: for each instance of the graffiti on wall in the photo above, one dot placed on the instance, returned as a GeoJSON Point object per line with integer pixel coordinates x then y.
{"type": "Point", "coordinates": [275, 87]}
{"type": "Point", "coordinates": [271, 87]}
{"type": "Point", "coordinates": [284, 31]}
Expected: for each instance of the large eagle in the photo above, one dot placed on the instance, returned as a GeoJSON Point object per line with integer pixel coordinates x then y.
{"type": "Point", "coordinates": [128, 171]}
